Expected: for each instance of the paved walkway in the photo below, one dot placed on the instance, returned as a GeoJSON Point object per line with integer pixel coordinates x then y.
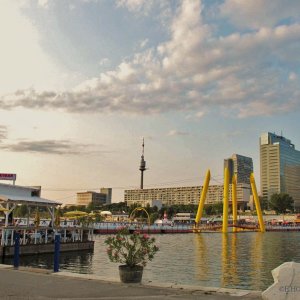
{"type": "Point", "coordinates": [31, 284]}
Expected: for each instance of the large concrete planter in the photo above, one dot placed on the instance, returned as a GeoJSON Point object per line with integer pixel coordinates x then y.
{"type": "Point", "coordinates": [130, 274]}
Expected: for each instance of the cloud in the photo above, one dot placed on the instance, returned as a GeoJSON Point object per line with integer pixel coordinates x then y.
{"type": "Point", "coordinates": [200, 114]}
{"type": "Point", "coordinates": [175, 132]}
{"type": "Point", "coordinates": [293, 76]}
{"type": "Point", "coordinates": [143, 43]}
{"type": "Point", "coordinates": [43, 3]}
{"type": "Point", "coordinates": [135, 5]}
{"type": "Point", "coordinates": [242, 74]}
{"type": "Point", "coordinates": [104, 61]}
{"type": "Point", "coordinates": [3, 132]}
{"type": "Point", "coordinates": [259, 13]}
{"type": "Point", "coordinates": [47, 147]}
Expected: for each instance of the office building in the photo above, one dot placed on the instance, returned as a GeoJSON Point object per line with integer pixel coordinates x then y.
{"type": "Point", "coordinates": [279, 167]}
{"type": "Point", "coordinates": [241, 166]}
{"type": "Point", "coordinates": [108, 193]}
{"type": "Point", "coordinates": [98, 199]}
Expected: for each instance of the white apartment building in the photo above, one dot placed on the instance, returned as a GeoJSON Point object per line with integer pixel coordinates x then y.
{"type": "Point", "coordinates": [185, 195]}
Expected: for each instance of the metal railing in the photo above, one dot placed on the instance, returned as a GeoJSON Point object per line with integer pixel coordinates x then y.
{"type": "Point", "coordinates": [44, 235]}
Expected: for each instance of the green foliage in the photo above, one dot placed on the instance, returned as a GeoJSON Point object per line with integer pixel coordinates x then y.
{"type": "Point", "coordinates": [281, 202]}
{"type": "Point", "coordinates": [98, 217]}
{"type": "Point", "coordinates": [90, 207]}
{"type": "Point", "coordinates": [21, 211]}
{"type": "Point", "coordinates": [153, 217]}
{"type": "Point", "coordinates": [131, 249]}
{"type": "Point", "coordinates": [174, 209]}
{"type": "Point", "coordinates": [116, 207]}
{"type": "Point", "coordinates": [263, 203]}
{"type": "Point", "coordinates": [214, 209]}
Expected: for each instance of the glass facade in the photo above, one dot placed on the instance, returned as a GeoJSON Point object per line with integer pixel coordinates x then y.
{"type": "Point", "coordinates": [280, 167]}
{"type": "Point", "coordinates": [241, 166]}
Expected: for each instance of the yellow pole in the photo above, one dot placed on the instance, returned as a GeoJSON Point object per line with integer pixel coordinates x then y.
{"type": "Point", "coordinates": [225, 200]}
{"type": "Point", "coordinates": [202, 198]}
{"type": "Point", "coordinates": [234, 204]}
{"type": "Point", "coordinates": [257, 203]}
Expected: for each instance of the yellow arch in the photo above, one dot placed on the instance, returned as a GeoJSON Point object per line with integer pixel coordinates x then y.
{"type": "Point", "coordinates": [139, 209]}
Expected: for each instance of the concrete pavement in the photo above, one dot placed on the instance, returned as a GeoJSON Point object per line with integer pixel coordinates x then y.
{"type": "Point", "coordinates": [29, 283]}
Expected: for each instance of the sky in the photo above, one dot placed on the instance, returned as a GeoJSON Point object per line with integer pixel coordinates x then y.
{"type": "Point", "coordinates": [83, 81]}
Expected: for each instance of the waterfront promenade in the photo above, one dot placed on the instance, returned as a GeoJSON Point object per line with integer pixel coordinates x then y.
{"type": "Point", "coordinates": [30, 283]}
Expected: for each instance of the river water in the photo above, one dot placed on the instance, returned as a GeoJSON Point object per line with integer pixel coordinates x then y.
{"type": "Point", "coordinates": [243, 260]}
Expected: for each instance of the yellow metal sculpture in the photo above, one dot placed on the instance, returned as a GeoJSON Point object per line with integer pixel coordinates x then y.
{"type": "Point", "coordinates": [225, 201]}
{"type": "Point", "coordinates": [257, 203]}
{"type": "Point", "coordinates": [234, 204]}
{"type": "Point", "coordinates": [235, 225]}
{"type": "Point", "coordinates": [140, 209]}
{"type": "Point", "coordinates": [202, 199]}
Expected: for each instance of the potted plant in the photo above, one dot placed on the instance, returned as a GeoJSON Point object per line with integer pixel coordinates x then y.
{"type": "Point", "coordinates": [133, 251]}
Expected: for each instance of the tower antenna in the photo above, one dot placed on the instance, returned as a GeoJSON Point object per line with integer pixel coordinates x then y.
{"type": "Point", "coordinates": [142, 165]}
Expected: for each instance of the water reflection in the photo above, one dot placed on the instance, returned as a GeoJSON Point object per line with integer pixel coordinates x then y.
{"type": "Point", "coordinates": [238, 260]}
{"type": "Point", "coordinates": [202, 267]}
{"type": "Point", "coordinates": [229, 260]}
{"type": "Point", "coordinates": [78, 262]}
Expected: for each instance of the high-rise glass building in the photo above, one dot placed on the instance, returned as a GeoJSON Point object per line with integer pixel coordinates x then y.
{"type": "Point", "coordinates": [241, 166]}
{"type": "Point", "coordinates": [279, 167]}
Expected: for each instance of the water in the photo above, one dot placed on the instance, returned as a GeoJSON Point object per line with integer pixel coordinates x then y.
{"type": "Point", "coordinates": [243, 260]}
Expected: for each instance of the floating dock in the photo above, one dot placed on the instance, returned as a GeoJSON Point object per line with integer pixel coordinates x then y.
{"type": "Point", "coordinates": [41, 239]}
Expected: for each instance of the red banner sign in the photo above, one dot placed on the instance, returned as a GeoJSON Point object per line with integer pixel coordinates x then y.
{"type": "Point", "coordinates": [6, 176]}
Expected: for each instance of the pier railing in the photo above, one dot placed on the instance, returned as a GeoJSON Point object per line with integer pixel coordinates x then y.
{"type": "Point", "coordinates": [44, 235]}
{"type": "Point", "coordinates": [111, 228]}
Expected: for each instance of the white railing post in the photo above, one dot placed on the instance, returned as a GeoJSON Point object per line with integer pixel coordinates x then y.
{"type": "Point", "coordinates": [2, 237]}
{"type": "Point", "coordinates": [12, 237]}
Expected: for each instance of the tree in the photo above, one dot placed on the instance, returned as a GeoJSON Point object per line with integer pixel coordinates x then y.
{"type": "Point", "coordinates": [263, 203]}
{"type": "Point", "coordinates": [281, 202]}
{"type": "Point", "coordinates": [209, 209]}
{"type": "Point", "coordinates": [21, 211]}
{"type": "Point", "coordinates": [153, 217]}
{"type": "Point", "coordinates": [91, 206]}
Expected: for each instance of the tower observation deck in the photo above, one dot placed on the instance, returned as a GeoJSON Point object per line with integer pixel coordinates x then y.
{"type": "Point", "coordinates": [142, 166]}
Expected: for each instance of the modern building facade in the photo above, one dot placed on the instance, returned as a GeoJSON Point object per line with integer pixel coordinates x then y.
{"type": "Point", "coordinates": [108, 193]}
{"type": "Point", "coordinates": [279, 167]}
{"type": "Point", "coordinates": [241, 166]}
{"type": "Point", "coordinates": [185, 195]}
{"type": "Point", "coordinates": [98, 199]}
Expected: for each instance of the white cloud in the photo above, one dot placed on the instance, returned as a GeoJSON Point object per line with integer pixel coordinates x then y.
{"type": "Point", "coordinates": [259, 13]}
{"type": "Point", "coordinates": [190, 72]}
{"type": "Point", "coordinates": [104, 61]}
{"type": "Point", "coordinates": [175, 132]}
{"type": "Point", "coordinates": [135, 5]}
{"type": "Point", "coordinates": [43, 3]}
{"type": "Point", "coordinates": [200, 114]}
{"type": "Point", "coordinates": [293, 76]}
{"type": "Point", "coordinates": [143, 43]}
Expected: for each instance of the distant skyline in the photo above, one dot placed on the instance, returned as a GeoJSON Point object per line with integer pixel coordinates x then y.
{"type": "Point", "coordinates": [83, 81]}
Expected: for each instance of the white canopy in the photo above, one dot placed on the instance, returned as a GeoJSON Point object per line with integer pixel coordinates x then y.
{"type": "Point", "coordinates": [34, 200]}
{"type": "Point", "coordinates": [13, 195]}
{"type": "Point", "coordinates": [105, 212]}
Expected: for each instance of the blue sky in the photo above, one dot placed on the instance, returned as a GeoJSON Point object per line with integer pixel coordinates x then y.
{"type": "Point", "coordinates": [83, 81]}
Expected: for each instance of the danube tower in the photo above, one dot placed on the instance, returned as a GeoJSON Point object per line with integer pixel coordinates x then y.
{"type": "Point", "coordinates": [142, 166]}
